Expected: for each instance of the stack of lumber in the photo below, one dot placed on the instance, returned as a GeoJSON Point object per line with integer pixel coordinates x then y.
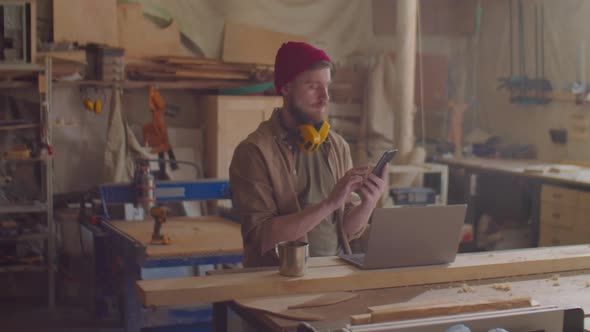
{"type": "Point", "coordinates": [192, 68]}
{"type": "Point", "coordinates": [65, 63]}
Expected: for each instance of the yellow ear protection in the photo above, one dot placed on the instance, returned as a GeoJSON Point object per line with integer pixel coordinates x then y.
{"type": "Point", "coordinates": [91, 106]}
{"type": "Point", "coordinates": [95, 107]}
{"type": "Point", "coordinates": [310, 137]}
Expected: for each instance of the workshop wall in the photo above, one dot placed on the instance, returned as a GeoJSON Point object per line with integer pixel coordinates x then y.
{"type": "Point", "coordinates": [565, 30]}
{"type": "Point", "coordinates": [79, 136]}
{"type": "Point", "coordinates": [344, 28]}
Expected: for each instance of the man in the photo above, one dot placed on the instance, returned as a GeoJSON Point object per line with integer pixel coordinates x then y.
{"type": "Point", "coordinates": [286, 188]}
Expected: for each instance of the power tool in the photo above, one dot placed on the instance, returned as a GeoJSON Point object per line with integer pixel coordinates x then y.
{"type": "Point", "coordinates": [159, 213]}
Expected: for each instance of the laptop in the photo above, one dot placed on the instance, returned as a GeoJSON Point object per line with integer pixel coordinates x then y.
{"type": "Point", "coordinates": [412, 236]}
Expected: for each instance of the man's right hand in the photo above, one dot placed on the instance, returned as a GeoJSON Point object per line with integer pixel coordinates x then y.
{"type": "Point", "coordinates": [351, 181]}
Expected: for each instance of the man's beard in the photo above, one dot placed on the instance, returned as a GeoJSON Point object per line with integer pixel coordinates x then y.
{"type": "Point", "coordinates": [300, 116]}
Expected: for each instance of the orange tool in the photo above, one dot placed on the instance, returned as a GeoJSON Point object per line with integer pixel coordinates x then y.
{"type": "Point", "coordinates": [155, 133]}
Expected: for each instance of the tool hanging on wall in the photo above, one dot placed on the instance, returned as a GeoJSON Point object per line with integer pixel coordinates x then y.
{"type": "Point", "coordinates": [525, 90]}
{"type": "Point", "coordinates": [155, 133]}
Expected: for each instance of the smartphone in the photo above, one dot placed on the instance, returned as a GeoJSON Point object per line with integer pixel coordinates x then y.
{"type": "Point", "coordinates": [385, 159]}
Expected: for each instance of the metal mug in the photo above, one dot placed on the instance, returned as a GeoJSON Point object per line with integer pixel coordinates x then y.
{"type": "Point", "coordinates": [293, 258]}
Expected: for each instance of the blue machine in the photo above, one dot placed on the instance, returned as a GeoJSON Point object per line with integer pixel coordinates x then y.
{"type": "Point", "coordinates": [134, 258]}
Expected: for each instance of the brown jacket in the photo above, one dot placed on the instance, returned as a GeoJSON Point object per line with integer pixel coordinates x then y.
{"type": "Point", "coordinates": [263, 183]}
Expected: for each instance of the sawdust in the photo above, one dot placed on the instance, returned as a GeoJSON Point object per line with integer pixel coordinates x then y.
{"type": "Point", "coordinates": [465, 288]}
{"type": "Point", "coordinates": [555, 284]}
{"type": "Point", "coordinates": [555, 277]}
{"type": "Point", "coordinates": [588, 285]}
{"type": "Point", "coordinates": [502, 287]}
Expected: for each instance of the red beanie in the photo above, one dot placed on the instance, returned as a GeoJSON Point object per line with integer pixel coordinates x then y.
{"type": "Point", "coordinates": [292, 59]}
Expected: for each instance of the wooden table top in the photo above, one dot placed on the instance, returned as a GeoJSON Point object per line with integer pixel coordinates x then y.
{"type": "Point", "coordinates": [571, 288]}
{"type": "Point", "coordinates": [534, 169]}
{"type": "Point", "coordinates": [191, 236]}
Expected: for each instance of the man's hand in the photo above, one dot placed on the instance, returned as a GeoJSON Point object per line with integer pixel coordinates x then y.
{"type": "Point", "coordinates": [372, 188]}
{"type": "Point", "coordinates": [351, 181]}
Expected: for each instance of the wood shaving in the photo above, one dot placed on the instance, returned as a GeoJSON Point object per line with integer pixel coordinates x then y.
{"type": "Point", "coordinates": [465, 288]}
{"type": "Point", "coordinates": [555, 284]}
{"type": "Point", "coordinates": [555, 277]}
{"type": "Point", "coordinates": [502, 287]}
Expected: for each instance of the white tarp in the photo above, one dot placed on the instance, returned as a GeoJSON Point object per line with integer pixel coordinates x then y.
{"type": "Point", "coordinates": [341, 27]}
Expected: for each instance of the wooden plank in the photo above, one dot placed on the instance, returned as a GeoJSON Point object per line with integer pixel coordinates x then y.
{"type": "Point", "coordinates": [290, 307]}
{"type": "Point", "coordinates": [140, 37]}
{"type": "Point", "coordinates": [544, 289]}
{"type": "Point", "coordinates": [19, 126]}
{"type": "Point", "coordinates": [316, 262]}
{"type": "Point", "coordinates": [249, 44]}
{"type": "Point", "coordinates": [194, 74]}
{"type": "Point", "coordinates": [194, 61]}
{"type": "Point", "coordinates": [184, 60]}
{"type": "Point", "coordinates": [243, 70]}
{"type": "Point", "coordinates": [209, 235]}
{"type": "Point", "coordinates": [388, 313]}
{"type": "Point", "coordinates": [212, 74]}
{"type": "Point", "coordinates": [68, 56]}
{"type": "Point", "coordinates": [150, 67]}
{"type": "Point", "coordinates": [162, 84]}
{"type": "Point", "coordinates": [473, 266]}
{"type": "Point", "coordinates": [360, 319]}
{"type": "Point", "coordinates": [278, 307]}
{"type": "Point", "coordinates": [85, 21]}
{"type": "Point", "coordinates": [320, 300]}
{"type": "Point", "coordinates": [222, 67]}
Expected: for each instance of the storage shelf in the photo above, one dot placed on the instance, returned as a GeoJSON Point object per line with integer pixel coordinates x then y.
{"type": "Point", "coordinates": [20, 76]}
{"type": "Point", "coordinates": [20, 67]}
{"type": "Point", "coordinates": [22, 208]}
{"type": "Point", "coordinates": [23, 268]}
{"type": "Point", "coordinates": [24, 238]}
{"type": "Point", "coordinates": [16, 160]}
{"type": "Point", "coordinates": [19, 126]}
{"type": "Point", "coordinates": [186, 84]}
{"type": "Point", "coordinates": [9, 84]}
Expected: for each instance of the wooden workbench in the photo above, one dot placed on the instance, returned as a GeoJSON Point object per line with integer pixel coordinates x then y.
{"type": "Point", "coordinates": [191, 236]}
{"type": "Point", "coordinates": [532, 169]}
{"type": "Point", "coordinates": [529, 273]}
{"type": "Point", "coordinates": [195, 241]}
{"type": "Point", "coordinates": [568, 288]}
{"type": "Point", "coordinates": [559, 196]}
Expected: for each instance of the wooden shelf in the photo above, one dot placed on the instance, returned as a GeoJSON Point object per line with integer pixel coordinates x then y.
{"type": "Point", "coordinates": [9, 84]}
{"type": "Point", "coordinates": [20, 67]}
{"type": "Point", "coordinates": [170, 85]}
{"type": "Point", "coordinates": [24, 268]}
{"type": "Point", "coordinates": [22, 208]}
{"type": "Point", "coordinates": [19, 160]}
{"type": "Point", "coordinates": [18, 126]}
{"type": "Point", "coordinates": [24, 237]}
